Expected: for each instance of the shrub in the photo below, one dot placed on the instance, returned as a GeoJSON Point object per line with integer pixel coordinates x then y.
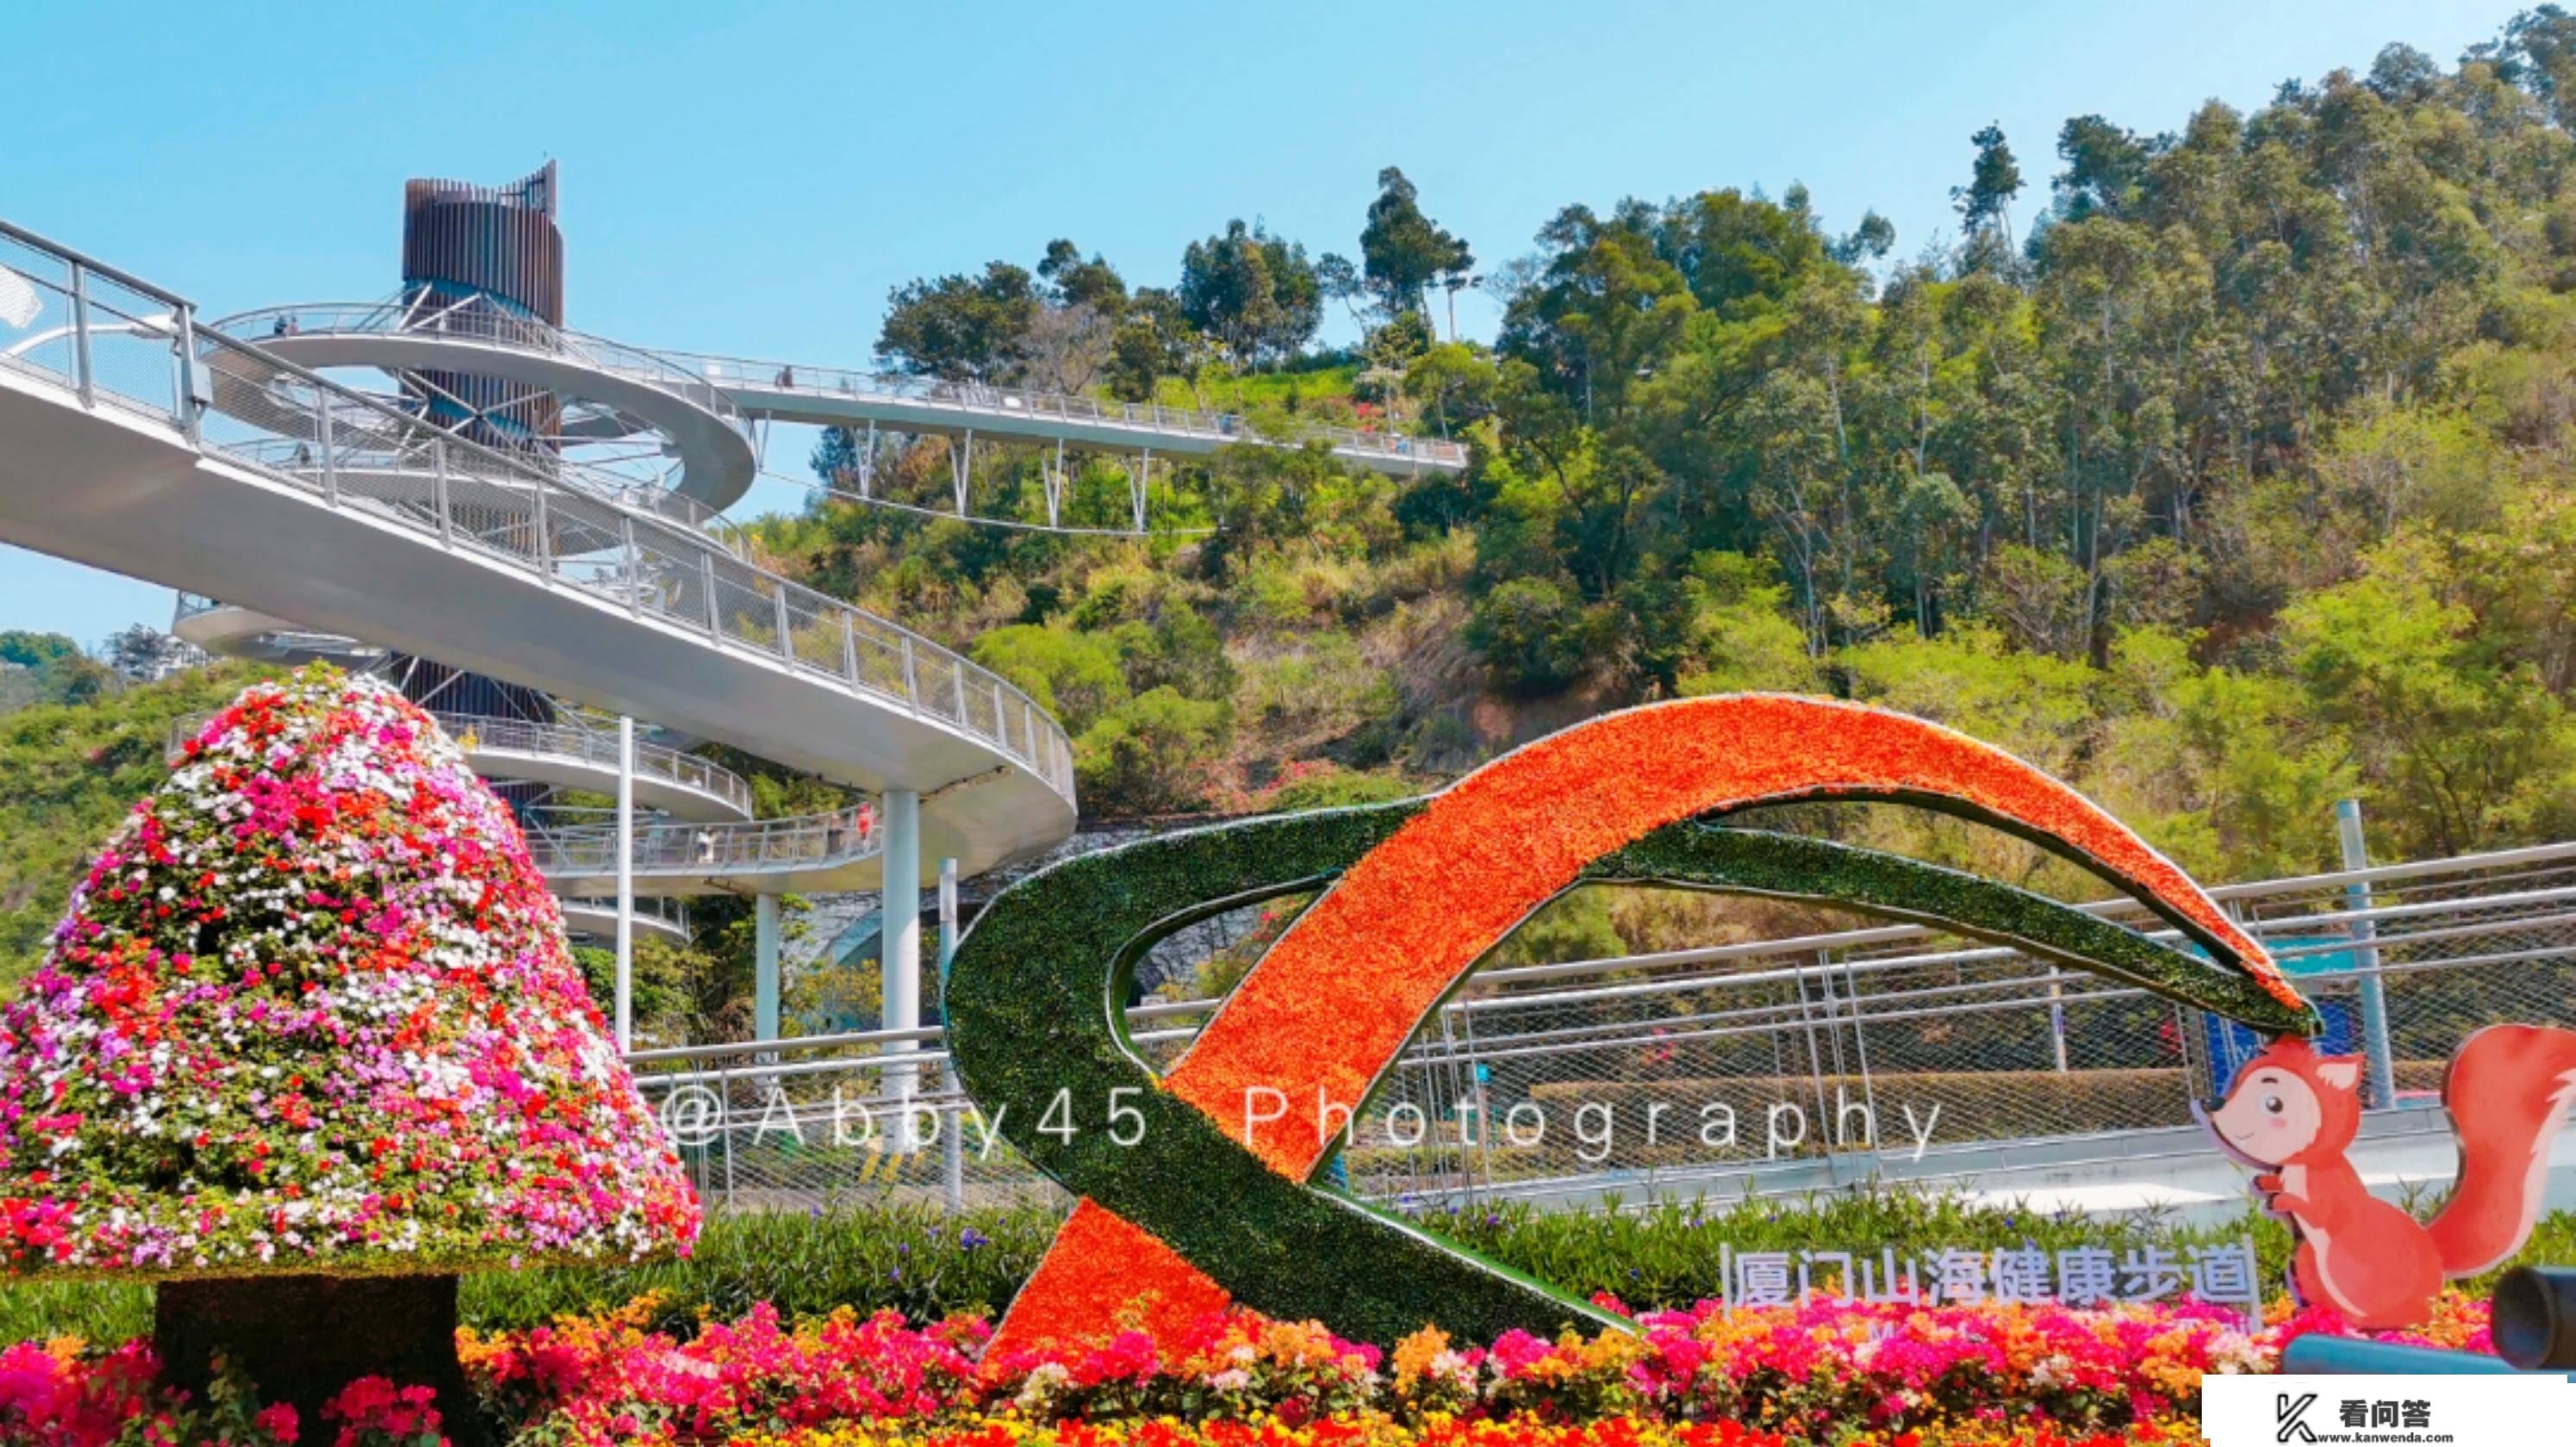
{"type": "Point", "coordinates": [1535, 636]}
{"type": "Point", "coordinates": [1074, 676]}
{"type": "Point", "coordinates": [1150, 754]}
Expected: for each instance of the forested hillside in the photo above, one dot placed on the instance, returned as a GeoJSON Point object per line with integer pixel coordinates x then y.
{"type": "Point", "coordinates": [2238, 485]}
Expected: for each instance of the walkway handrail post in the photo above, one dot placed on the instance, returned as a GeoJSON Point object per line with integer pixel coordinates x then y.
{"type": "Point", "coordinates": [330, 464]}
{"type": "Point", "coordinates": [850, 648]}
{"type": "Point", "coordinates": [715, 615]}
{"type": "Point", "coordinates": [911, 680]}
{"type": "Point", "coordinates": [542, 555]}
{"type": "Point", "coordinates": [634, 566]}
{"type": "Point", "coordinates": [83, 379]}
{"type": "Point", "coordinates": [786, 635]}
{"type": "Point", "coordinates": [438, 491]}
{"type": "Point", "coordinates": [192, 422]}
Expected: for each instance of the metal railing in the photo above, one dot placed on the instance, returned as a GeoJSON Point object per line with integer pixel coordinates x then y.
{"type": "Point", "coordinates": [478, 733]}
{"type": "Point", "coordinates": [717, 382]}
{"type": "Point", "coordinates": [2014, 1051]}
{"type": "Point", "coordinates": [117, 341]}
{"type": "Point", "coordinates": [812, 841]}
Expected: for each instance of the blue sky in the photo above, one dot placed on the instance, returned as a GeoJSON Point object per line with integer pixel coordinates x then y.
{"type": "Point", "coordinates": [754, 178]}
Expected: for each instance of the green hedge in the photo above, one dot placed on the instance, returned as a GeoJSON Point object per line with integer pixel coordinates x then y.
{"type": "Point", "coordinates": [928, 1266]}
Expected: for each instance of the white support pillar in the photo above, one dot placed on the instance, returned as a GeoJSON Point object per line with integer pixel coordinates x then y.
{"type": "Point", "coordinates": [1054, 477]}
{"type": "Point", "coordinates": [900, 950]}
{"type": "Point", "coordinates": [625, 884]}
{"type": "Point", "coordinates": [952, 1130]}
{"type": "Point", "coordinates": [764, 987]}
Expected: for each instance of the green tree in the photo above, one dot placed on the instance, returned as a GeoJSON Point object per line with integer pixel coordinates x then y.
{"type": "Point", "coordinates": [32, 650]}
{"type": "Point", "coordinates": [2106, 168]}
{"type": "Point", "coordinates": [2459, 749]}
{"type": "Point", "coordinates": [1071, 281]}
{"type": "Point", "coordinates": [1153, 340]}
{"type": "Point", "coordinates": [1741, 637]}
{"type": "Point", "coordinates": [1255, 293]}
{"type": "Point", "coordinates": [960, 328]}
{"type": "Point", "coordinates": [1403, 253]}
{"type": "Point", "coordinates": [1985, 203]}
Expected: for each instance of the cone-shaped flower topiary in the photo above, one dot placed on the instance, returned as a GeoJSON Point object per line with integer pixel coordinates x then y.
{"type": "Point", "coordinates": [312, 1015]}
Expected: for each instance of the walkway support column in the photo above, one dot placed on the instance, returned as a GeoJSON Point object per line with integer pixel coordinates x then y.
{"type": "Point", "coordinates": [625, 884]}
{"type": "Point", "coordinates": [952, 1130]}
{"type": "Point", "coordinates": [900, 952]}
{"type": "Point", "coordinates": [764, 986]}
{"type": "Point", "coordinates": [2375, 1046]}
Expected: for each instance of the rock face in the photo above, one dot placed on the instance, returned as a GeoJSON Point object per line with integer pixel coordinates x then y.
{"type": "Point", "coordinates": [312, 1012]}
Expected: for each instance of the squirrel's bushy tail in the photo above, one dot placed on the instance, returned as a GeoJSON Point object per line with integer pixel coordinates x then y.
{"type": "Point", "coordinates": [2508, 1091]}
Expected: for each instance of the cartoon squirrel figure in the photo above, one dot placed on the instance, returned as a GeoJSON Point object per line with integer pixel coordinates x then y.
{"type": "Point", "coordinates": [2293, 1113]}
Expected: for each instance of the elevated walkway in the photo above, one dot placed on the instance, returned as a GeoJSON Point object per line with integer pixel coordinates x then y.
{"type": "Point", "coordinates": [640, 392]}
{"type": "Point", "coordinates": [112, 454]}
{"type": "Point", "coordinates": [832, 397]}
{"type": "Point", "coordinates": [695, 400]}
{"type": "Point", "coordinates": [381, 448]}
{"type": "Point", "coordinates": [247, 633]}
{"type": "Point", "coordinates": [812, 854]}
{"type": "Point", "coordinates": [664, 920]}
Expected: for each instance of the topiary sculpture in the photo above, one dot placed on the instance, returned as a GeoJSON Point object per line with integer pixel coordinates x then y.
{"type": "Point", "coordinates": [309, 1043]}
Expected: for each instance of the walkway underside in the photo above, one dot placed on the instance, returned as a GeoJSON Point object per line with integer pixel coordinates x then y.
{"type": "Point", "coordinates": [597, 919]}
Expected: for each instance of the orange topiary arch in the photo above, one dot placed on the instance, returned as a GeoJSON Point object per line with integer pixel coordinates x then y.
{"type": "Point", "coordinates": [1328, 1009]}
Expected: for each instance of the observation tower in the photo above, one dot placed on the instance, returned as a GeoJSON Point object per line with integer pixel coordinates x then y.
{"type": "Point", "coordinates": [466, 250]}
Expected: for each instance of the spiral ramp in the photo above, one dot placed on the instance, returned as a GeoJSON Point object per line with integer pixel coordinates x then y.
{"type": "Point", "coordinates": [156, 448]}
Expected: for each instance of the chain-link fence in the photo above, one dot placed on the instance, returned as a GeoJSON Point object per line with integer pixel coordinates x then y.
{"type": "Point", "coordinates": [1867, 1051]}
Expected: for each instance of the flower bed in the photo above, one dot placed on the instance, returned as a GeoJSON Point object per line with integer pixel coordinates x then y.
{"type": "Point", "coordinates": [1832, 1371]}
{"type": "Point", "coordinates": [1378, 1430]}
